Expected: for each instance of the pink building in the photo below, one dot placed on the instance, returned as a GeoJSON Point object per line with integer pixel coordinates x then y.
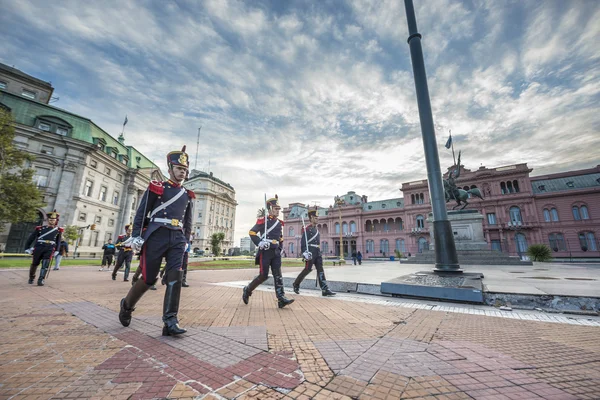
{"type": "Point", "coordinates": [561, 210]}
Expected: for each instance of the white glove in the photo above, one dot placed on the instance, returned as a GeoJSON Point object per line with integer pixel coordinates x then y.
{"type": "Point", "coordinates": [187, 247]}
{"type": "Point", "coordinates": [135, 243]}
{"type": "Point", "coordinates": [55, 254]}
{"type": "Point", "coordinates": [29, 251]}
{"type": "Point", "coordinates": [264, 244]}
{"type": "Point", "coordinates": [307, 255]}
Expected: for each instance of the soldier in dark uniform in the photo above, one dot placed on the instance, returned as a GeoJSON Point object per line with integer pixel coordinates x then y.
{"type": "Point", "coordinates": [125, 254]}
{"type": "Point", "coordinates": [269, 253]}
{"type": "Point", "coordinates": [311, 252]}
{"type": "Point", "coordinates": [45, 240]}
{"type": "Point", "coordinates": [107, 257]}
{"type": "Point", "coordinates": [167, 209]}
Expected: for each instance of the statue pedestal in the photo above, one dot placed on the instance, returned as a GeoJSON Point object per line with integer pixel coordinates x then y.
{"type": "Point", "coordinates": [467, 227]}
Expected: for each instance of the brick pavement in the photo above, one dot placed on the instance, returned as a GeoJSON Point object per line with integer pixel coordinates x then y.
{"type": "Point", "coordinates": [64, 341]}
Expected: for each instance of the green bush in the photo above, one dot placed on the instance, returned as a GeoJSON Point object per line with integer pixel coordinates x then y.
{"type": "Point", "coordinates": [398, 254]}
{"type": "Point", "coordinates": [539, 252]}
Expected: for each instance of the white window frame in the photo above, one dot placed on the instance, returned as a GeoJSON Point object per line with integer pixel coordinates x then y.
{"type": "Point", "coordinates": [28, 94]}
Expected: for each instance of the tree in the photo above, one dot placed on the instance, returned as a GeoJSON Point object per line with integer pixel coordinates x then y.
{"type": "Point", "coordinates": [19, 196]}
{"type": "Point", "coordinates": [539, 252]}
{"type": "Point", "coordinates": [70, 234]}
{"type": "Point", "coordinates": [215, 242]}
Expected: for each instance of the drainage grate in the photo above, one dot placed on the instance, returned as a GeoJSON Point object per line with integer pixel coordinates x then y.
{"type": "Point", "coordinates": [581, 279]}
{"type": "Point", "coordinates": [539, 277]}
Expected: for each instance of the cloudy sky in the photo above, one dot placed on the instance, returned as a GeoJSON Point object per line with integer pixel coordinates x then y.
{"type": "Point", "coordinates": [311, 99]}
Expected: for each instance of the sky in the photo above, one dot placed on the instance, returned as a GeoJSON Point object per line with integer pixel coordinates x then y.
{"type": "Point", "coordinates": [312, 99]}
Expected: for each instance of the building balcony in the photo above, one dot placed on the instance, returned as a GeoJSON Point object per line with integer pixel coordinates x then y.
{"type": "Point", "coordinates": [419, 231]}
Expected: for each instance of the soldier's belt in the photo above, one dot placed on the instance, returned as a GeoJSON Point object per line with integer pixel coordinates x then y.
{"type": "Point", "coordinates": [315, 245]}
{"type": "Point", "coordinates": [46, 241]}
{"type": "Point", "coordinates": [167, 221]}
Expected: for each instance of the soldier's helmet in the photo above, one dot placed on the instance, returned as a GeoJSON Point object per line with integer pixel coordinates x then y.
{"type": "Point", "coordinates": [53, 215]}
{"type": "Point", "coordinates": [312, 213]}
{"type": "Point", "coordinates": [127, 227]}
{"type": "Point", "coordinates": [178, 158]}
{"type": "Point", "coordinates": [273, 202]}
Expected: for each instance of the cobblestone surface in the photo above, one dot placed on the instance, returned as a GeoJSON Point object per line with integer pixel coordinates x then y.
{"type": "Point", "coordinates": [64, 341]}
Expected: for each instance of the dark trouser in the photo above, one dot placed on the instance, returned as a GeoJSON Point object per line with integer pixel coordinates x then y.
{"type": "Point", "coordinates": [318, 263]}
{"type": "Point", "coordinates": [269, 258]}
{"type": "Point", "coordinates": [107, 260]}
{"type": "Point", "coordinates": [123, 257]}
{"type": "Point", "coordinates": [186, 257]}
{"type": "Point", "coordinates": [41, 252]}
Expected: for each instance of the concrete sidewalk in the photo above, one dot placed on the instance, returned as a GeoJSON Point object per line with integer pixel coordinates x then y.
{"type": "Point", "coordinates": [64, 341]}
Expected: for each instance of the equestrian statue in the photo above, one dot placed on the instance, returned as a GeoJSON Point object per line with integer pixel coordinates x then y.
{"type": "Point", "coordinates": [453, 192]}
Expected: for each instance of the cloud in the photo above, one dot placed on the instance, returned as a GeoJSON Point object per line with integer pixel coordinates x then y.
{"type": "Point", "coordinates": [311, 101]}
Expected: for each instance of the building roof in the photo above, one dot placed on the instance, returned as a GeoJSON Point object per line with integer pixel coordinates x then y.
{"type": "Point", "coordinates": [14, 71]}
{"type": "Point", "coordinates": [201, 174]}
{"type": "Point", "coordinates": [25, 111]}
{"type": "Point", "coordinates": [564, 183]}
{"type": "Point", "coordinates": [383, 204]}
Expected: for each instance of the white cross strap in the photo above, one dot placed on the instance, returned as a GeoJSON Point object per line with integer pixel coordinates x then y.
{"type": "Point", "coordinates": [47, 233]}
{"type": "Point", "coordinates": [271, 228]}
{"type": "Point", "coordinates": [168, 203]}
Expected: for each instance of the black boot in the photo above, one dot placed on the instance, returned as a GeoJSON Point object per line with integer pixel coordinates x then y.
{"type": "Point", "coordinates": [126, 274]}
{"type": "Point", "coordinates": [184, 282]}
{"type": "Point", "coordinates": [323, 282]}
{"type": "Point", "coordinates": [282, 301]}
{"type": "Point", "coordinates": [171, 303]}
{"type": "Point", "coordinates": [251, 286]}
{"type": "Point", "coordinates": [299, 280]}
{"type": "Point", "coordinates": [128, 302]}
{"type": "Point", "coordinates": [136, 275]}
{"type": "Point", "coordinates": [32, 270]}
{"type": "Point", "coordinates": [43, 272]}
{"type": "Point", "coordinates": [114, 273]}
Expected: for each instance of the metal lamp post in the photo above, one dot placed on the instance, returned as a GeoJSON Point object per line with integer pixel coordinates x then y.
{"type": "Point", "coordinates": [446, 259]}
{"type": "Point", "coordinates": [339, 203]}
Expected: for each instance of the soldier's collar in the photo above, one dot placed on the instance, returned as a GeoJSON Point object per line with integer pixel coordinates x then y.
{"type": "Point", "coordinates": [174, 184]}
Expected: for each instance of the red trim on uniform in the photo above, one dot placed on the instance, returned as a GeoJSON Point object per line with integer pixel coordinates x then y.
{"type": "Point", "coordinates": [191, 194]}
{"type": "Point", "coordinates": [156, 187]}
{"type": "Point", "coordinates": [61, 230]}
{"type": "Point", "coordinates": [260, 221]}
{"type": "Point", "coordinates": [306, 264]}
{"type": "Point", "coordinates": [37, 228]}
{"type": "Point", "coordinates": [260, 262]}
{"type": "Point", "coordinates": [282, 223]}
{"type": "Point", "coordinates": [143, 263]}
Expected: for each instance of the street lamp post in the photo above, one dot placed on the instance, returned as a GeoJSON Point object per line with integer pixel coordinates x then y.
{"type": "Point", "coordinates": [446, 258]}
{"type": "Point", "coordinates": [339, 202]}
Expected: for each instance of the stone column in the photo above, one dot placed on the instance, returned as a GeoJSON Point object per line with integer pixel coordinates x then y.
{"type": "Point", "coordinates": [128, 202]}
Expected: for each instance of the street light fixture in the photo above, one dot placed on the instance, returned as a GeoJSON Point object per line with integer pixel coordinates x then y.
{"type": "Point", "coordinates": [339, 202]}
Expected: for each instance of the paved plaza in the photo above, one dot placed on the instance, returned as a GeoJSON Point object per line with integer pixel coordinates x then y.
{"type": "Point", "coordinates": [64, 341]}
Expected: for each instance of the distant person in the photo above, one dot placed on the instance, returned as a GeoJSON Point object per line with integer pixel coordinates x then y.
{"type": "Point", "coordinates": [125, 254]}
{"type": "Point", "coordinates": [109, 252]}
{"type": "Point", "coordinates": [63, 251]}
{"type": "Point", "coordinates": [359, 258]}
{"type": "Point", "coordinates": [311, 252]}
{"type": "Point", "coordinates": [354, 257]}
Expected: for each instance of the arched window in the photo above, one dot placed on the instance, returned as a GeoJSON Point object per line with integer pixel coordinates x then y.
{"type": "Point", "coordinates": [370, 246]}
{"type": "Point", "coordinates": [554, 214]}
{"type": "Point", "coordinates": [503, 188]}
{"type": "Point", "coordinates": [344, 227]}
{"type": "Point", "coordinates": [384, 246]}
{"type": "Point", "coordinates": [521, 242]}
{"type": "Point", "coordinates": [423, 245]}
{"type": "Point", "coordinates": [399, 224]}
{"type": "Point", "coordinates": [412, 199]}
{"type": "Point", "coordinates": [584, 212]}
{"type": "Point", "coordinates": [557, 242]}
{"type": "Point", "coordinates": [509, 186]}
{"type": "Point", "coordinates": [400, 245]}
{"type": "Point", "coordinates": [587, 240]}
{"type": "Point", "coordinates": [515, 214]}
{"type": "Point", "coordinates": [376, 227]}
{"type": "Point", "coordinates": [352, 226]}
{"type": "Point", "coordinates": [337, 228]}
{"type": "Point", "coordinates": [386, 226]}
{"type": "Point", "coordinates": [576, 215]}
{"type": "Point", "coordinates": [324, 247]}
{"type": "Point", "coordinates": [515, 184]}
{"type": "Point", "coordinates": [420, 221]}
{"type": "Point", "coordinates": [291, 231]}
{"type": "Point", "coordinates": [368, 226]}
{"type": "Point", "coordinates": [291, 248]}
{"type": "Point", "coordinates": [546, 215]}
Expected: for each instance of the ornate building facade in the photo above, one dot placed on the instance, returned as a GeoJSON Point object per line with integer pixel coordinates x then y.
{"type": "Point", "coordinates": [214, 210]}
{"type": "Point", "coordinates": [561, 210]}
{"type": "Point", "coordinates": [89, 177]}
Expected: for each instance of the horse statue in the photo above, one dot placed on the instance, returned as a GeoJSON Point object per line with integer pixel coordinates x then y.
{"type": "Point", "coordinates": [453, 192]}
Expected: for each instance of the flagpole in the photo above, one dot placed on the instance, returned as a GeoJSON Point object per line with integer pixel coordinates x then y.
{"type": "Point", "coordinates": [452, 144]}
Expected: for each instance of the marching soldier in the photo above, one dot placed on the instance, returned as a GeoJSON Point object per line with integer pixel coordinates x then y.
{"type": "Point", "coordinates": [311, 252]}
{"type": "Point", "coordinates": [125, 254]}
{"type": "Point", "coordinates": [269, 253]}
{"type": "Point", "coordinates": [45, 240]}
{"type": "Point", "coordinates": [167, 210]}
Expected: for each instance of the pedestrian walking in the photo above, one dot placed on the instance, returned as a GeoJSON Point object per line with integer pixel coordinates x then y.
{"type": "Point", "coordinates": [108, 255]}
{"type": "Point", "coordinates": [63, 251]}
{"type": "Point", "coordinates": [354, 257]}
{"type": "Point", "coordinates": [311, 253]}
{"type": "Point", "coordinates": [359, 258]}
{"type": "Point", "coordinates": [125, 254]}
{"type": "Point", "coordinates": [267, 235]}
{"type": "Point", "coordinates": [42, 244]}
{"type": "Point", "coordinates": [161, 229]}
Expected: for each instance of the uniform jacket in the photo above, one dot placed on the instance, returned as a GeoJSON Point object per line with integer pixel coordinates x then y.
{"type": "Point", "coordinates": [275, 236]}
{"type": "Point", "coordinates": [179, 213]}
{"type": "Point", "coordinates": [55, 237]}
{"type": "Point", "coordinates": [314, 239]}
